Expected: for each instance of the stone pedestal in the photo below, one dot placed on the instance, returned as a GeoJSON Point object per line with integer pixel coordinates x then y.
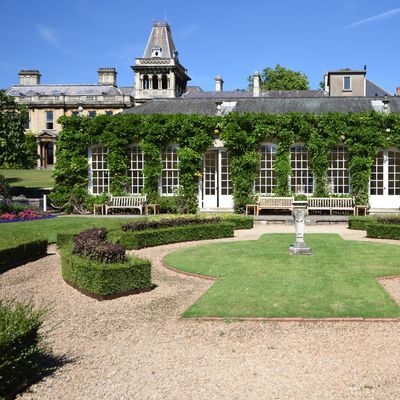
{"type": "Point", "coordinates": [299, 247]}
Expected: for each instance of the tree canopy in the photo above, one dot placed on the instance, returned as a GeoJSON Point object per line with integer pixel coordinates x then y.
{"type": "Point", "coordinates": [281, 78]}
{"type": "Point", "coordinates": [13, 150]}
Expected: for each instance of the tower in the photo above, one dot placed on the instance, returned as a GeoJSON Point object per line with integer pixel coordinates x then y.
{"type": "Point", "coordinates": [159, 73]}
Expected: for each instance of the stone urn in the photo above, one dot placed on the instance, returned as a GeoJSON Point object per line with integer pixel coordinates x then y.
{"type": "Point", "coordinates": [299, 247]}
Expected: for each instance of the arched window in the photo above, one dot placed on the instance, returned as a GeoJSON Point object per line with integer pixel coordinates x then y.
{"type": "Point", "coordinates": [145, 82]}
{"type": "Point", "coordinates": [164, 81]}
{"type": "Point", "coordinates": [99, 174]}
{"type": "Point", "coordinates": [135, 171]}
{"type": "Point", "coordinates": [338, 173]}
{"type": "Point", "coordinates": [266, 177]}
{"type": "Point", "coordinates": [155, 82]}
{"type": "Point", "coordinates": [301, 180]}
{"type": "Point", "coordinates": [170, 171]}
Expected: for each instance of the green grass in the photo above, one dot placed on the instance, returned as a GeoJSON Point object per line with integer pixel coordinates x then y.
{"type": "Point", "coordinates": [48, 228]}
{"type": "Point", "coordinates": [259, 278]}
{"type": "Point", "coordinates": [29, 178]}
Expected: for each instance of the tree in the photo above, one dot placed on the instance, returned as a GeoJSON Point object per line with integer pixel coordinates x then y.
{"type": "Point", "coordinates": [281, 78]}
{"type": "Point", "coordinates": [13, 150]}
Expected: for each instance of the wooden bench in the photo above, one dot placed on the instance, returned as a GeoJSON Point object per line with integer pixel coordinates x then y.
{"type": "Point", "coordinates": [331, 204]}
{"type": "Point", "coordinates": [274, 203]}
{"type": "Point", "coordinates": [120, 202]}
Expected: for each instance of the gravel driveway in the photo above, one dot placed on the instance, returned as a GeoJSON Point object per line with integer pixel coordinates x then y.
{"type": "Point", "coordinates": [137, 347]}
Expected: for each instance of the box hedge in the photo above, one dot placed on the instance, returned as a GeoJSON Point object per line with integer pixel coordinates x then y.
{"type": "Point", "coordinates": [239, 221]}
{"type": "Point", "coordinates": [19, 249]}
{"type": "Point", "coordinates": [360, 223]}
{"type": "Point", "coordinates": [156, 237]}
{"type": "Point", "coordinates": [104, 279]}
{"type": "Point", "coordinates": [383, 231]}
{"type": "Point", "coordinates": [20, 346]}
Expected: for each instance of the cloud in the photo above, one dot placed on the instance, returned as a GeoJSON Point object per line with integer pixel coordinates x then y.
{"type": "Point", "coordinates": [375, 18]}
{"type": "Point", "coordinates": [48, 35]}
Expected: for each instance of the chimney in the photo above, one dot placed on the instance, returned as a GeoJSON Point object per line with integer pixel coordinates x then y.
{"type": "Point", "coordinates": [107, 76]}
{"type": "Point", "coordinates": [256, 84]}
{"type": "Point", "coordinates": [29, 77]}
{"type": "Point", "coordinates": [398, 91]}
{"type": "Point", "coordinates": [326, 82]}
{"type": "Point", "coordinates": [219, 84]}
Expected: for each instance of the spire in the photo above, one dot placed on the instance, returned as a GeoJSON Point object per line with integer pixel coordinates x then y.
{"type": "Point", "coordinates": [160, 43]}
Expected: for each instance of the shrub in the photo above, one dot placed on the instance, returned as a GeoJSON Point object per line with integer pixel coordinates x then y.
{"type": "Point", "coordinates": [20, 346]}
{"type": "Point", "coordinates": [92, 244]}
{"type": "Point", "coordinates": [104, 279]}
{"type": "Point", "coordinates": [19, 249]}
{"type": "Point", "coordinates": [360, 223]}
{"type": "Point", "coordinates": [156, 237]}
{"type": "Point", "coordinates": [168, 204]}
{"type": "Point", "coordinates": [239, 221]}
{"type": "Point", "coordinates": [142, 225]}
{"type": "Point", "coordinates": [383, 231]}
{"type": "Point", "coordinates": [389, 219]}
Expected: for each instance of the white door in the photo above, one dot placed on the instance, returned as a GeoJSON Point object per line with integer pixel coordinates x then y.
{"type": "Point", "coordinates": [216, 185]}
{"type": "Point", "coordinates": [385, 180]}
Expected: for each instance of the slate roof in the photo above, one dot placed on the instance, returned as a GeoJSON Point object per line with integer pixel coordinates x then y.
{"type": "Point", "coordinates": [161, 36]}
{"type": "Point", "coordinates": [249, 94]}
{"type": "Point", "coordinates": [373, 90]}
{"type": "Point", "coordinates": [69, 90]}
{"type": "Point", "coordinates": [267, 105]}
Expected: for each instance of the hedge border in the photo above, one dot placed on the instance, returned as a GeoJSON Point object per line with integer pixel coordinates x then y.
{"type": "Point", "coordinates": [383, 231]}
{"type": "Point", "coordinates": [20, 254]}
{"type": "Point", "coordinates": [360, 223]}
{"type": "Point", "coordinates": [157, 237]}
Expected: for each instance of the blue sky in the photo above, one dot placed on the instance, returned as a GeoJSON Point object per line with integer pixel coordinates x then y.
{"type": "Point", "coordinates": [68, 40]}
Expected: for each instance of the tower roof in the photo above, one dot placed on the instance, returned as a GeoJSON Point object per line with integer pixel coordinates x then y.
{"type": "Point", "coordinates": [160, 37]}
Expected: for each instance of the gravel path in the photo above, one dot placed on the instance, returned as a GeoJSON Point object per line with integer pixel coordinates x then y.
{"type": "Point", "coordinates": [137, 347]}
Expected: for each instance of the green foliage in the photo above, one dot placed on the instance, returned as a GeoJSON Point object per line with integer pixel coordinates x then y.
{"type": "Point", "coordinates": [20, 345]}
{"type": "Point", "coordinates": [21, 248]}
{"type": "Point", "coordinates": [383, 231]}
{"type": "Point", "coordinates": [239, 221]}
{"type": "Point", "coordinates": [281, 78]}
{"type": "Point", "coordinates": [157, 237]}
{"type": "Point", "coordinates": [13, 150]}
{"type": "Point", "coordinates": [360, 223]}
{"type": "Point", "coordinates": [105, 278]}
{"type": "Point", "coordinates": [31, 150]}
{"type": "Point", "coordinates": [4, 188]}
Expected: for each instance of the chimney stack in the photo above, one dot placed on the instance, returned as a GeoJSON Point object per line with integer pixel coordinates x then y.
{"type": "Point", "coordinates": [107, 76]}
{"type": "Point", "coordinates": [219, 84]}
{"type": "Point", "coordinates": [256, 84]}
{"type": "Point", "coordinates": [398, 91]}
{"type": "Point", "coordinates": [29, 77]}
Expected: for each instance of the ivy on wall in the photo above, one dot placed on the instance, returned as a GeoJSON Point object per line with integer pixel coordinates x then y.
{"type": "Point", "coordinates": [363, 134]}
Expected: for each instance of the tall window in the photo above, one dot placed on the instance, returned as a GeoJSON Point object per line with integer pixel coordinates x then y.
{"type": "Point", "coordinates": [145, 82]}
{"type": "Point", "coordinates": [301, 181]}
{"type": "Point", "coordinates": [393, 172]}
{"type": "Point", "coordinates": [266, 178]}
{"type": "Point", "coordinates": [155, 82]}
{"type": "Point", "coordinates": [164, 82]}
{"type": "Point", "coordinates": [92, 114]}
{"type": "Point", "coordinates": [109, 112]}
{"type": "Point", "coordinates": [226, 183]}
{"type": "Point", "coordinates": [170, 172]}
{"type": "Point", "coordinates": [136, 163]}
{"type": "Point", "coordinates": [100, 172]}
{"type": "Point", "coordinates": [49, 120]}
{"type": "Point", "coordinates": [376, 181]}
{"type": "Point", "coordinates": [347, 83]}
{"type": "Point", "coordinates": [338, 174]}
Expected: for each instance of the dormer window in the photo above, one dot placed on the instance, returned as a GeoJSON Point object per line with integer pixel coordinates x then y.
{"type": "Point", "coordinates": [156, 51]}
{"type": "Point", "coordinates": [347, 83]}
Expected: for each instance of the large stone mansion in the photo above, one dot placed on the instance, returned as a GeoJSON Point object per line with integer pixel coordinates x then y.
{"type": "Point", "coordinates": [161, 86]}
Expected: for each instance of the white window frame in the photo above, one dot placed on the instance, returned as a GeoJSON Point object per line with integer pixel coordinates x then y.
{"type": "Point", "coordinates": [102, 173]}
{"type": "Point", "coordinates": [266, 180]}
{"type": "Point", "coordinates": [49, 121]}
{"type": "Point", "coordinates": [350, 84]}
{"type": "Point", "coordinates": [170, 171]}
{"type": "Point", "coordinates": [135, 169]}
{"type": "Point", "coordinates": [338, 171]}
{"type": "Point", "coordinates": [301, 174]}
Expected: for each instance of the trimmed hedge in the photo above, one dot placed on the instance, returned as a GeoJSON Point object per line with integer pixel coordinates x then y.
{"type": "Point", "coordinates": [239, 221]}
{"type": "Point", "coordinates": [102, 278]}
{"type": "Point", "coordinates": [360, 223]}
{"type": "Point", "coordinates": [20, 346]}
{"type": "Point", "coordinates": [383, 231]}
{"type": "Point", "coordinates": [156, 237]}
{"type": "Point", "coordinates": [19, 249]}
{"type": "Point", "coordinates": [142, 225]}
{"type": "Point", "coordinates": [389, 219]}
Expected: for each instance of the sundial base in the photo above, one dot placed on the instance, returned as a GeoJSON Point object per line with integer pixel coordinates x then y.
{"type": "Point", "coordinates": [299, 249]}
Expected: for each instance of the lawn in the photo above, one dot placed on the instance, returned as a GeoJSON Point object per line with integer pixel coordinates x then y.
{"type": "Point", "coordinates": [259, 278]}
{"type": "Point", "coordinates": [29, 178]}
{"type": "Point", "coordinates": [48, 228]}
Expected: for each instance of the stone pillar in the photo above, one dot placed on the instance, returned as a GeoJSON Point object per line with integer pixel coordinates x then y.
{"type": "Point", "coordinates": [54, 153]}
{"type": "Point", "coordinates": [299, 247]}
{"type": "Point", "coordinates": [159, 77]}
{"type": "Point", "coordinates": [256, 84]}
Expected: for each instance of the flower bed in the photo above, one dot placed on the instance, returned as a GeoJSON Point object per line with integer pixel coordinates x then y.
{"type": "Point", "coordinates": [26, 215]}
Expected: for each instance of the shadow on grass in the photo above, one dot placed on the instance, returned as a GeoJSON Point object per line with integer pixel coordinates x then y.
{"type": "Point", "coordinates": [29, 192]}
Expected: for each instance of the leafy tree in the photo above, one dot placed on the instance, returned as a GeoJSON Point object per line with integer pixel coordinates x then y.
{"type": "Point", "coordinates": [13, 151]}
{"type": "Point", "coordinates": [281, 78]}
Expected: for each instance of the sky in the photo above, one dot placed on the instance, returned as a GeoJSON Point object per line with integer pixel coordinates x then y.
{"type": "Point", "coordinates": [69, 40]}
